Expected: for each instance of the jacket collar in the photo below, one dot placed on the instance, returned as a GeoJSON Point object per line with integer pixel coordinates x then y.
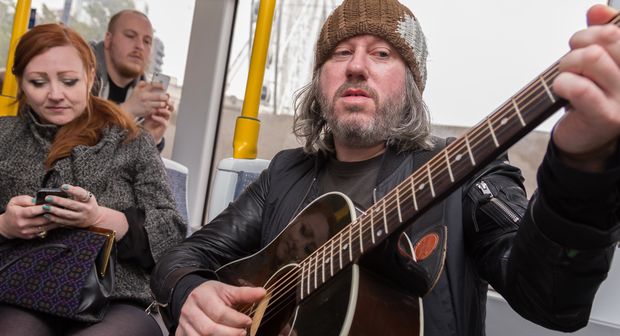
{"type": "Point", "coordinates": [392, 159]}
{"type": "Point", "coordinates": [44, 133]}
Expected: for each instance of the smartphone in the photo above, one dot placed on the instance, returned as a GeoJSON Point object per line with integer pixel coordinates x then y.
{"type": "Point", "coordinates": [161, 78]}
{"type": "Point", "coordinates": [42, 193]}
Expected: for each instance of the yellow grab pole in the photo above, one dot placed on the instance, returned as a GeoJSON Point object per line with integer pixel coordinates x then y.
{"type": "Point", "coordinates": [247, 126]}
{"type": "Point", "coordinates": [8, 107]}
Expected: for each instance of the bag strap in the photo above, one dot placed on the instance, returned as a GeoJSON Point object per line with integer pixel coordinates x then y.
{"type": "Point", "coordinates": [63, 247]}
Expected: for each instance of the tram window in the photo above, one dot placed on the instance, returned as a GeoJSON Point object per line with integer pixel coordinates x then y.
{"type": "Point", "coordinates": [7, 12]}
{"type": "Point", "coordinates": [289, 67]}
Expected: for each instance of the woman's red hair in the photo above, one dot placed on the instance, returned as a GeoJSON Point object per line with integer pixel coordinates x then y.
{"type": "Point", "coordinates": [100, 114]}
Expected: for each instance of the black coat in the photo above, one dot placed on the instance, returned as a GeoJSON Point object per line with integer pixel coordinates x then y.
{"type": "Point", "coordinates": [504, 243]}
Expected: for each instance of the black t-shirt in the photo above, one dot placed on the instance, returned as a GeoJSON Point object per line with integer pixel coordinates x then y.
{"type": "Point", "coordinates": [354, 179]}
{"type": "Point", "coordinates": [117, 94]}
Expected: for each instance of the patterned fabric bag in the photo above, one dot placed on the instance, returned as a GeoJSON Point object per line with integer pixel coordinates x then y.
{"type": "Point", "coordinates": [70, 273]}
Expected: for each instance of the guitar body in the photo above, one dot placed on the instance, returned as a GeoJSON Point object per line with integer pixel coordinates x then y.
{"type": "Point", "coordinates": [351, 301]}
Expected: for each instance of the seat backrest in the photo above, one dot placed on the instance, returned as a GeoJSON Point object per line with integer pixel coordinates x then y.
{"type": "Point", "coordinates": [231, 179]}
{"type": "Point", "coordinates": [177, 179]}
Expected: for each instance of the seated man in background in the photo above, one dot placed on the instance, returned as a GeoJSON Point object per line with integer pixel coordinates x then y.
{"type": "Point", "coordinates": [365, 130]}
{"type": "Point", "coordinates": [122, 59]}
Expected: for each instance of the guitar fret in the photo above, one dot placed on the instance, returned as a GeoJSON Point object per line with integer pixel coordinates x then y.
{"type": "Point", "coordinates": [308, 281]}
{"type": "Point", "coordinates": [301, 290]}
{"type": "Point", "coordinates": [331, 258]}
{"type": "Point", "coordinates": [518, 112]}
{"type": "Point", "coordinates": [415, 202]}
{"type": "Point", "coordinates": [471, 156]}
{"type": "Point", "coordinates": [323, 261]}
{"type": "Point", "coordinates": [316, 271]}
{"type": "Point", "coordinates": [445, 153]}
{"type": "Point", "coordinates": [372, 227]}
{"type": "Point", "coordinates": [544, 83]}
{"type": "Point", "coordinates": [400, 217]}
{"type": "Point", "coordinates": [430, 179]}
{"type": "Point", "coordinates": [340, 251]}
{"type": "Point", "coordinates": [385, 222]}
{"type": "Point", "coordinates": [492, 132]}
{"type": "Point", "coordinates": [350, 246]}
{"type": "Point", "coordinates": [361, 237]}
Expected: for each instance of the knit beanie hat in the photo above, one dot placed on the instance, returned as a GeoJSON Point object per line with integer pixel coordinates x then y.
{"type": "Point", "coordinates": [387, 19]}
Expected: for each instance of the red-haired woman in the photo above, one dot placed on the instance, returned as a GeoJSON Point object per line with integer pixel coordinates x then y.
{"type": "Point", "coordinates": [65, 137]}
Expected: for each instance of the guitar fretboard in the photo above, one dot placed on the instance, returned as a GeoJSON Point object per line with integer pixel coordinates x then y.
{"type": "Point", "coordinates": [434, 180]}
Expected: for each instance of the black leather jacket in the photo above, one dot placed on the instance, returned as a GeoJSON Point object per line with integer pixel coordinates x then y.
{"type": "Point", "coordinates": [546, 265]}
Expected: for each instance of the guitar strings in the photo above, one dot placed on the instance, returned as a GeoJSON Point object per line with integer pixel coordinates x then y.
{"type": "Point", "coordinates": [292, 276]}
{"type": "Point", "coordinates": [552, 73]}
{"type": "Point", "coordinates": [310, 262]}
{"type": "Point", "coordinates": [387, 199]}
{"type": "Point", "coordinates": [392, 197]}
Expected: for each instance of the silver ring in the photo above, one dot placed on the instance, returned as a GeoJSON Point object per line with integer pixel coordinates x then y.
{"type": "Point", "coordinates": [43, 233]}
{"type": "Point", "coordinates": [87, 197]}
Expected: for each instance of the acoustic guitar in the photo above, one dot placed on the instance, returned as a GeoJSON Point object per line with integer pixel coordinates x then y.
{"type": "Point", "coordinates": [314, 283]}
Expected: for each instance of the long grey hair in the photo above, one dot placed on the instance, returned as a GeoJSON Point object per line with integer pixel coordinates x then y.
{"type": "Point", "coordinates": [309, 125]}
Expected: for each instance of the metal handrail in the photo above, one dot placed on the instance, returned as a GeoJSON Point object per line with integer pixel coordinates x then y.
{"type": "Point", "coordinates": [8, 99]}
{"type": "Point", "coordinates": [248, 125]}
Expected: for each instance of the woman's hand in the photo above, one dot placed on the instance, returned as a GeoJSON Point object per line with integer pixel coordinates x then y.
{"type": "Point", "coordinates": [82, 210]}
{"type": "Point", "coordinates": [25, 220]}
{"type": "Point", "coordinates": [79, 210]}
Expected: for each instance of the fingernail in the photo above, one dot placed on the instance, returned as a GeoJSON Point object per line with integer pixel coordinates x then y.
{"type": "Point", "coordinates": [47, 216]}
{"type": "Point", "coordinates": [65, 187]}
{"type": "Point", "coordinates": [47, 207]}
{"type": "Point", "coordinates": [33, 200]}
{"type": "Point", "coordinates": [48, 198]}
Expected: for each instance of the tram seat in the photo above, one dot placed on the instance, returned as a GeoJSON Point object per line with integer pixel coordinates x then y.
{"type": "Point", "coordinates": [177, 179]}
{"type": "Point", "coordinates": [231, 179]}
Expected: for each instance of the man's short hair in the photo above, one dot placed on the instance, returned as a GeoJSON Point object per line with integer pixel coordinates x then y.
{"type": "Point", "coordinates": [115, 17]}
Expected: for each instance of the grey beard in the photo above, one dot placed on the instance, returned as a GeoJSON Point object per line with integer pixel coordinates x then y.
{"type": "Point", "coordinates": [387, 117]}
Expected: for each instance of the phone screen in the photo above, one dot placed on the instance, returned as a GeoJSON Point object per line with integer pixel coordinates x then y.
{"type": "Point", "coordinates": [42, 193]}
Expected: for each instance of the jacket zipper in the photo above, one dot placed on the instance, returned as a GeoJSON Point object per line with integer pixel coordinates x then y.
{"type": "Point", "coordinates": [498, 202]}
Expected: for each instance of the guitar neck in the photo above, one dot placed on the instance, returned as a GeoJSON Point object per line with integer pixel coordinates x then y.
{"type": "Point", "coordinates": [435, 180]}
